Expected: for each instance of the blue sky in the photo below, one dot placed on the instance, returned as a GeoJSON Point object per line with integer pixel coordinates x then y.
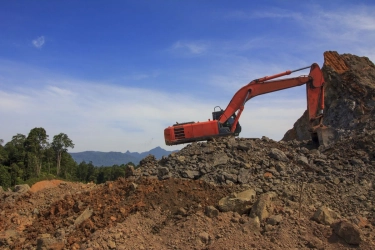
{"type": "Point", "coordinates": [113, 74]}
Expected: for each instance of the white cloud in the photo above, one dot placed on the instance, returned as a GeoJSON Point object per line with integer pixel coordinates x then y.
{"type": "Point", "coordinates": [346, 29]}
{"type": "Point", "coordinates": [192, 47]}
{"type": "Point", "coordinates": [275, 13]}
{"type": "Point", "coordinates": [139, 76]}
{"type": "Point", "coordinates": [39, 42]}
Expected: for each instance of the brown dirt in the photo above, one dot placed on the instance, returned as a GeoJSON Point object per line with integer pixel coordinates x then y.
{"type": "Point", "coordinates": [44, 184]}
{"type": "Point", "coordinates": [333, 60]}
{"type": "Point", "coordinates": [152, 214]}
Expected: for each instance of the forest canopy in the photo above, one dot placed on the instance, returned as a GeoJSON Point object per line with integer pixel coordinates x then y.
{"type": "Point", "coordinates": [31, 158]}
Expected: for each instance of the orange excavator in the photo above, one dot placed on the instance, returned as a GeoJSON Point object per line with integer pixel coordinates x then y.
{"type": "Point", "coordinates": [225, 122]}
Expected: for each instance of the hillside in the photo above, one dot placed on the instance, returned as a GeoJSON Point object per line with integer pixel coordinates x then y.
{"type": "Point", "coordinates": [117, 158]}
{"type": "Point", "coordinates": [229, 193]}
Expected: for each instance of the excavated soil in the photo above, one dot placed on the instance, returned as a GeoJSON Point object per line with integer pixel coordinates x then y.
{"type": "Point", "coordinates": [44, 184]}
{"type": "Point", "coordinates": [111, 204]}
{"type": "Point", "coordinates": [153, 214]}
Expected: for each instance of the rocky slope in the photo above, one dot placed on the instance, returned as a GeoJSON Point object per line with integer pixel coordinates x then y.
{"type": "Point", "coordinates": [232, 193]}
{"type": "Point", "coordinates": [349, 96]}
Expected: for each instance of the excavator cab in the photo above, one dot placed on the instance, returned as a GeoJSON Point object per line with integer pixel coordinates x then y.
{"type": "Point", "coordinates": [227, 125]}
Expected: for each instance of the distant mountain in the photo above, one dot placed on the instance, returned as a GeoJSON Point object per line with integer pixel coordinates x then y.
{"type": "Point", "coordinates": [111, 158]}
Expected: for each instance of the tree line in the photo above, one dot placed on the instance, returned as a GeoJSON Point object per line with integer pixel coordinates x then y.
{"type": "Point", "coordinates": [31, 158]}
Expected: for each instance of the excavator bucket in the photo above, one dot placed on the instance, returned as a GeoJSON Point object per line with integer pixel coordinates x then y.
{"type": "Point", "coordinates": [325, 136]}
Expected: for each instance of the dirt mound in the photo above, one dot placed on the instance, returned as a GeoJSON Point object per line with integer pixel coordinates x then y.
{"type": "Point", "coordinates": [44, 184]}
{"type": "Point", "coordinates": [112, 203]}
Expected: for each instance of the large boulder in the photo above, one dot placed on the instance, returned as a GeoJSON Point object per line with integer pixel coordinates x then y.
{"type": "Point", "coordinates": [21, 188]}
{"type": "Point", "coordinates": [84, 216]}
{"type": "Point", "coordinates": [240, 203]}
{"type": "Point", "coordinates": [349, 232]}
{"type": "Point", "coordinates": [46, 241]}
{"type": "Point", "coordinates": [277, 154]}
{"type": "Point", "coordinates": [325, 215]}
{"type": "Point", "coordinates": [263, 207]}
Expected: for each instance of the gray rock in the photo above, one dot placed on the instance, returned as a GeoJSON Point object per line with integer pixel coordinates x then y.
{"type": "Point", "coordinates": [302, 160]}
{"type": "Point", "coordinates": [230, 177]}
{"type": "Point", "coordinates": [278, 154]}
{"type": "Point", "coordinates": [182, 211]}
{"type": "Point", "coordinates": [111, 244]}
{"type": "Point", "coordinates": [36, 211]}
{"type": "Point", "coordinates": [220, 160]}
{"type": "Point", "coordinates": [280, 167]}
{"type": "Point", "coordinates": [274, 219]}
{"type": "Point", "coordinates": [204, 237]}
{"type": "Point", "coordinates": [211, 211]}
{"type": "Point", "coordinates": [349, 232]}
{"type": "Point", "coordinates": [163, 171]}
{"type": "Point", "coordinates": [240, 203]}
{"type": "Point", "coordinates": [254, 223]}
{"type": "Point", "coordinates": [181, 158]}
{"type": "Point", "coordinates": [263, 207]}
{"type": "Point", "coordinates": [243, 176]}
{"type": "Point", "coordinates": [314, 242]}
{"type": "Point", "coordinates": [325, 215]}
{"type": "Point", "coordinates": [84, 216]}
{"type": "Point", "coordinates": [320, 162]}
{"type": "Point", "coordinates": [133, 186]}
{"type": "Point", "coordinates": [21, 188]}
{"type": "Point", "coordinates": [190, 174]}
{"type": "Point", "coordinates": [336, 181]}
{"type": "Point", "coordinates": [245, 145]}
{"type": "Point", "coordinates": [46, 241]}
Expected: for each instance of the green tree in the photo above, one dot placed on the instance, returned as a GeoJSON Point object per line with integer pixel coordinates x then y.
{"type": "Point", "coordinates": [16, 158]}
{"type": "Point", "coordinates": [5, 181]}
{"type": "Point", "coordinates": [82, 170]}
{"type": "Point", "coordinates": [68, 166]}
{"type": "Point", "coordinates": [3, 153]}
{"type": "Point", "coordinates": [101, 177]}
{"type": "Point", "coordinates": [15, 174]}
{"type": "Point", "coordinates": [49, 155]}
{"type": "Point", "coordinates": [60, 144]}
{"type": "Point", "coordinates": [16, 149]}
{"type": "Point", "coordinates": [90, 172]}
{"type": "Point", "coordinates": [35, 145]}
{"type": "Point", "coordinates": [86, 172]}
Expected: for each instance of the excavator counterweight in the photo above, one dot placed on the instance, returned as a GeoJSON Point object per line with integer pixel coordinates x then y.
{"type": "Point", "coordinates": [226, 122]}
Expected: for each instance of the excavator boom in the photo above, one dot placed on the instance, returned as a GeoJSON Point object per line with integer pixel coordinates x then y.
{"type": "Point", "coordinates": [225, 122]}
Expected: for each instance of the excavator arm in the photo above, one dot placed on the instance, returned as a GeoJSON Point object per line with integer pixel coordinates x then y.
{"type": "Point", "coordinates": [225, 122]}
{"type": "Point", "coordinates": [314, 89]}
